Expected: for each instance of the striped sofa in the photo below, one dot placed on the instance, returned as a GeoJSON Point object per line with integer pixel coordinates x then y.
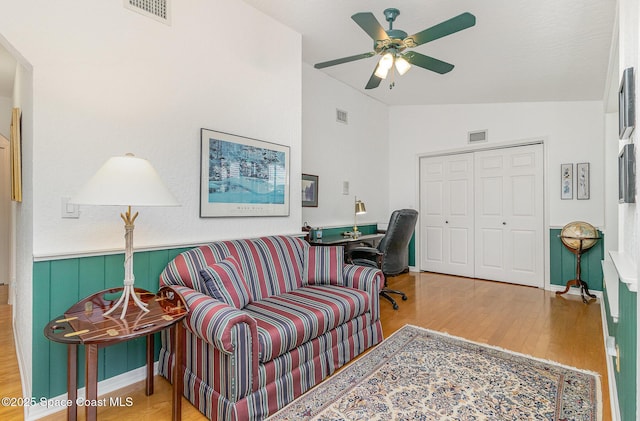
{"type": "Point", "coordinates": [303, 314]}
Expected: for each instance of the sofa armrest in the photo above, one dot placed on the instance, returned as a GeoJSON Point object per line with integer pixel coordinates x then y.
{"type": "Point", "coordinates": [213, 321]}
{"type": "Point", "coordinates": [231, 337]}
{"type": "Point", "coordinates": [367, 279]}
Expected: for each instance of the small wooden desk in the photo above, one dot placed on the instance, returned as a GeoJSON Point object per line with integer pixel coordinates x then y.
{"type": "Point", "coordinates": [85, 324]}
{"type": "Point", "coordinates": [371, 240]}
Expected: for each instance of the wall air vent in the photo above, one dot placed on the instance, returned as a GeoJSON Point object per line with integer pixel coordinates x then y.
{"type": "Point", "coordinates": [159, 10]}
{"type": "Point", "coordinates": [342, 116]}
{"type": "Point", "coordinates": [478, 136]}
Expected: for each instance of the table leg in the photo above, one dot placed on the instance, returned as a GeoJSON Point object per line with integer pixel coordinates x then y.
{"type": "Point", "coordinates": [91, 380]}
{"type": "Point", "coordinates": [149, 389]}
{"type": "Point", "coordinates": [72, 381]}
{"type": "Point", "coordinates": [178, 373]}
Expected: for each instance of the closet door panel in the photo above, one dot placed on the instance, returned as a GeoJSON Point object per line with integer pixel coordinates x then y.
{"type": "Point", "coordinates": [446, 204]}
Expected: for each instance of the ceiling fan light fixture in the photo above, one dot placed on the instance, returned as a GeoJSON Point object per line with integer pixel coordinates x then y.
{"type": "Point", "coordinates": [402, 65]}
{"type": "Point", "coordinates": [381, 71]}
{"type": "Point", "coordinates": [384, 65]}
{"type": "Point", "coordinates": [386, 60]}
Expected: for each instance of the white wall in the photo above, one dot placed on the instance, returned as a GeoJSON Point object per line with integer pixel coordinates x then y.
{"type": "Point", "coordinates": [356, 152]}
{"type": "Point", "coordinates": [21, 287]}
{"type": "Point", "coordinates": [611, 182]}
{"type": "Point", "coordinates": [105, 81]}
{"type": "Point", "coordinates": [573, 132]}
{"type": "Point", "coordinates": [5, 115]}
{"type": "Point", "coordinates": [628, 15]}
{"type": "Point", "coordinates": [109, 81]}
{"type": "Point", "coordinates": [629, 44]}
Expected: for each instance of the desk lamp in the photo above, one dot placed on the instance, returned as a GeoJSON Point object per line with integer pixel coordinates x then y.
{"type": "Point", "coordinates": [126, 181]}
{"type": "Point", "coordinates": [359, 210]}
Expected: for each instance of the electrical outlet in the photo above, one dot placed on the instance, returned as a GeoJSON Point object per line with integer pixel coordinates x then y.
{"type": "Point", "coordinates": [345, 187]}
{"type": "Point", "coordinates": [69, 210]}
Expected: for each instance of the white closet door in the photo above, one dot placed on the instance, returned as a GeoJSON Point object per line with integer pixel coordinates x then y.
{"type": "Point", "coordinates": [446, 204]}
{"type": "Point", "coordinates": [509, 215]}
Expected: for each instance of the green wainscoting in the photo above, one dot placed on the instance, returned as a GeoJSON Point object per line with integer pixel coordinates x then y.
{"type": "Point", "coordinates": [364, 229]}
{"type": "Point", "coordinates": [563, 262]}
{"type": "Point", "coordinates": [57, 285]}
{"type": "Point", "coordinates": [625, 333]}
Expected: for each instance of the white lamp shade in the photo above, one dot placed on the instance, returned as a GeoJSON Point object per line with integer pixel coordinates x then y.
{"type": "Point", "coordinates": [385, 63]}
{"type": "Point", "coordinates": [125, 181]}
{"type": "Point", "coordinates": [402, 65]}
{"type": "Point", "coordinates": [382, 71]}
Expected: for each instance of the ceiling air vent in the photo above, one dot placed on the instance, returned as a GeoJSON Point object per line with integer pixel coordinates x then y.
{"type": "Point", "coordinates": [477, 136]}
{"type": "Point", "coordinates": [159, 10]}
{"type": "Point", "coordinates": [341, 116]}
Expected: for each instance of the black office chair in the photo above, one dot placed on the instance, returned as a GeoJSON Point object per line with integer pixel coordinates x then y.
{"type": "Point", "coordinates": [392, 254]}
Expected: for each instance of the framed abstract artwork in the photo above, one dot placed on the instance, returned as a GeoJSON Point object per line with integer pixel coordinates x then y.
{"type": "Point", "coordinates": [566, 181]}
{"type": "Point", "coordinates": [240, 176]}
{"type": "Point", "coordinates": [309, 191]}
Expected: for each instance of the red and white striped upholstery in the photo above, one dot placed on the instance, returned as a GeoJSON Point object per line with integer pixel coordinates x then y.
{"type": "Point", "coordinates": [323, 265]}
{"type": "Point", "coordinates": [246, 364]}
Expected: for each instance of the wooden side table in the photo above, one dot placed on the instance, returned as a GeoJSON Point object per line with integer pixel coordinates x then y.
{"type": "Point", "coordinates": [84, 323]}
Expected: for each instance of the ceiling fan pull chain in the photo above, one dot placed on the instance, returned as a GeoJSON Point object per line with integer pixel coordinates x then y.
{"type": "Point", "coordinates": [393, 79]}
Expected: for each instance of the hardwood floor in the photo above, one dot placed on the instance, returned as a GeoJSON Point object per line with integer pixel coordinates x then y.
{"type": "Point", "coordinates": [522, 319]}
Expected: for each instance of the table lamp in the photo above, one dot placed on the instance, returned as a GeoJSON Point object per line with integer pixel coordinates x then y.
{"type": "Point", "coordinates": [360, 209]}
{"type": "Point", "coordinates": [126, 181]}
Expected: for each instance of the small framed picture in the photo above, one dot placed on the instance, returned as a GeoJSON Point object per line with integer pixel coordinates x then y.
{"type": "Point", "coordinates": [582, 175]}
{"type": "Point", "coordinates": [309, 191]}
{"type": "Point", "coordinates": [566, 181]}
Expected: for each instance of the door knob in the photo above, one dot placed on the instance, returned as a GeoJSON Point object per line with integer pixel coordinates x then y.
{"type": "Point", "coordinates": [504, 223]}
{"type": "Point", "coordinates": [446, 222]}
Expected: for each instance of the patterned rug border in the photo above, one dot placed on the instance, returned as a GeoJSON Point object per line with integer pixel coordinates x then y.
{"type": "Point", "coordinates": [497, 348]}
{"type": "Point", "coordinates": [406, 327]}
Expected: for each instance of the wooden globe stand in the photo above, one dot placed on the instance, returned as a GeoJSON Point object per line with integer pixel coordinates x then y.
{"type": "Point", "coordinates": [584, 288]}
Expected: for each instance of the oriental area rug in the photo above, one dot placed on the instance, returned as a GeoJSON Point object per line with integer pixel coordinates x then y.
{"type": "Point", "coordinates": [418, 374]}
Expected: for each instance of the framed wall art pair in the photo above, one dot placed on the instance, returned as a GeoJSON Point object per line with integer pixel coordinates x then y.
{"type": "Point", "coordinates": [582, 186]}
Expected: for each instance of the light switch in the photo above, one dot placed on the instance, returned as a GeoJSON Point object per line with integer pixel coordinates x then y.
{"type": "Point", "coordinates": [345, 187]}
{"type": "Point", "coordinates": [69, 210]}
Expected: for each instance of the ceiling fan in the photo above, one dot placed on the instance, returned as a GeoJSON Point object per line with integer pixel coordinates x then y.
{"type": "Point", "coordinates": [391, 45]}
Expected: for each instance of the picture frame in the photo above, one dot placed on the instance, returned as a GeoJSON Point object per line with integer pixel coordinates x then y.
{"type": "Point", "coordinates": [241, 176]}
{"type": "Point", "coordinates": [582, 180]}
{"type": "Point", "coordinates": [566, 181]}
{"type": "Point", "coordinates": [309, 191]}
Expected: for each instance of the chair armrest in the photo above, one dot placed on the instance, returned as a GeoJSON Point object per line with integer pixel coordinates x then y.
{"type": "Point", "coordinates": [215, 322]}
{"type": "Point", "coordinates": [366, 279]}
{"type": "Point", "coordinates": [365, 250]}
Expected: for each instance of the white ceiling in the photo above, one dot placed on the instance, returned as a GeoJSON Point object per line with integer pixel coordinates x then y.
{"type": "Point", "coordinates": [543, 50]}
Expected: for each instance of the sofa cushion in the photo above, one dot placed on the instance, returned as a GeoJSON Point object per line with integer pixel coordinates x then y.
{"type": "Point", "coordinates": [224, 282]}
{"type": "Point", "coordinates": [291, 319]}
{"type": "Point", "coordinates": [323, 265]}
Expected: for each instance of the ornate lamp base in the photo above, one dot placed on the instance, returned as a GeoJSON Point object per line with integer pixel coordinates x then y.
{"type": "Point", "coordinates": [129, 279]}
{"type": "Point", "coordinates": [127, 293]}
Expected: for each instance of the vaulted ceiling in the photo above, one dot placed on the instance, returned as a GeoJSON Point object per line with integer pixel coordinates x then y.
{"type": "Point", "coordinates": [544, 50]}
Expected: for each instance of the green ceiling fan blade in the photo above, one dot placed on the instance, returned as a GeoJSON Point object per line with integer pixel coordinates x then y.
{"type": "Point", "coordinates": [370, 25]}
{"type": "Point", "coordinates": [344, 60]}
{"type": "Point", "coordinates": [427, 62]}
{"type": "Point", "coordinates": [448, 27]}
{"type": "Point", "coordinates": [374, 81]}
